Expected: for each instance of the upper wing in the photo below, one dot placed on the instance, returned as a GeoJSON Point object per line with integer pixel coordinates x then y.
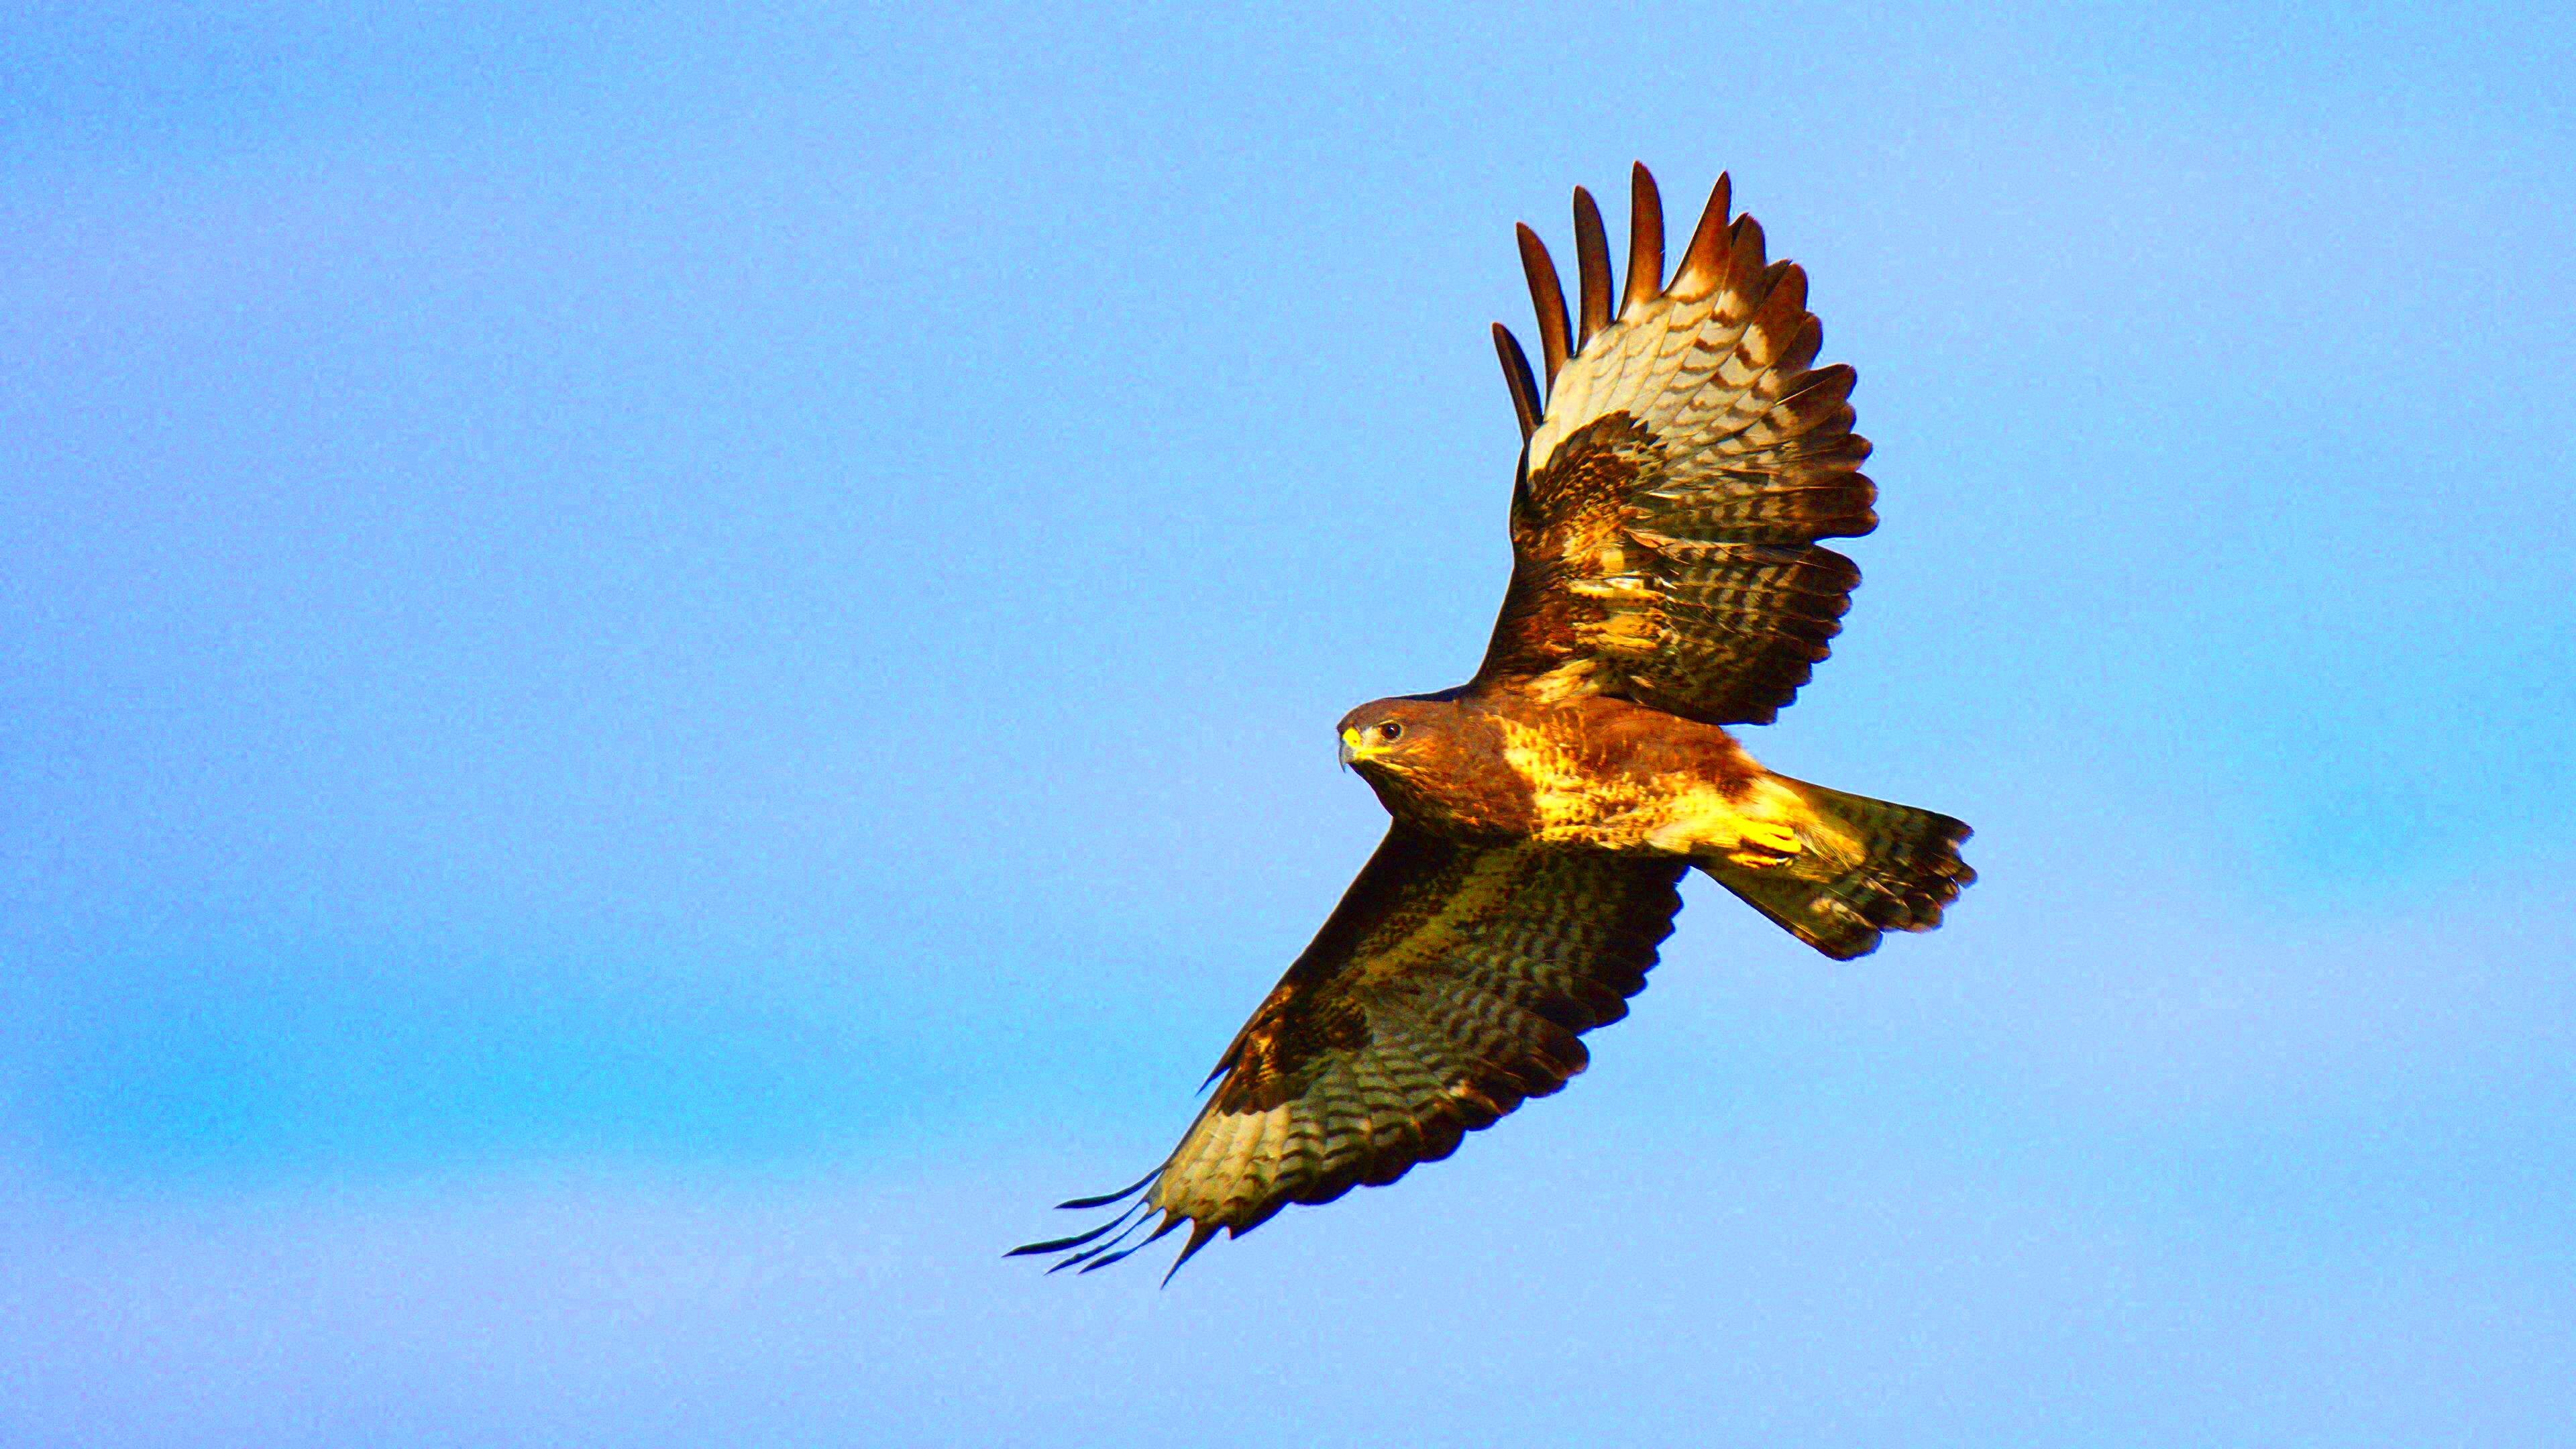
{"type": "Point", "coordinates": [1449, 984]}
{"type": "Point", "coordinates": [1671, 493]}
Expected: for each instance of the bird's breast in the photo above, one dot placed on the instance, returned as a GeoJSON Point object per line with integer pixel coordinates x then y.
{"type": "Point", "coordinates": [1615, 776]}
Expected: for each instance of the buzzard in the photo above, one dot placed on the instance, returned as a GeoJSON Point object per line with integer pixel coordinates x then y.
{"type": "Point", "coordinates": [1676, 470]}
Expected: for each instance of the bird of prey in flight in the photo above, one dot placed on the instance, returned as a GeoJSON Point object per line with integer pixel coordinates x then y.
{"type": "Point", "coordinates": [1678, 462]}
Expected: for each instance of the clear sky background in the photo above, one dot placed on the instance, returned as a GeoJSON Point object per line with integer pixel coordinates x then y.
{"type": "Point", "coordinates": [658, 672]}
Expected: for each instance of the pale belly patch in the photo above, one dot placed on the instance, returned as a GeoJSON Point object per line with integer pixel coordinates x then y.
{"type": "Point", "coordinates": [1756, 829]}
{"type": "Point", "coordinates": [1756, 826]}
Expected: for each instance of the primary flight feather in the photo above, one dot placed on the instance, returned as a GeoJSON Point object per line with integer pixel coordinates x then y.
{"type": "Point", "coordinates": [1681, 458]}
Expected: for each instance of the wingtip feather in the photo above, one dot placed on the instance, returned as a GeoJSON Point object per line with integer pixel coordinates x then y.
{"type": "Point", "coordinates": [1547, 298]}
{"type": "Point", "coordinates": [1516, 376]}
{"type": "Point", "coordinates": [1076, 1240]}
{"type": "Point", "coordinates": [1704, 261]}
{"type": "Point", "coordinates": [1106, 1198]}
{"type": "Point", "coordinates": [1199, 1234]}
{"type": "Point", "coordinates": [1645, 239]}
{"type": "Point", "coordinates": [1592, 269]}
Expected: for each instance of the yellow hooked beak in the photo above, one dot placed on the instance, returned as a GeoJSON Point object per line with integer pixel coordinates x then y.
{"type": "Point", "coordinates": [1355, 747]}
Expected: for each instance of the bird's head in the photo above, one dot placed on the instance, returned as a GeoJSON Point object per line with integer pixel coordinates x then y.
{"type": "Point", "coordinates": [1392, 735]}
{"type": "Point", "coordinates": [1434, 763]}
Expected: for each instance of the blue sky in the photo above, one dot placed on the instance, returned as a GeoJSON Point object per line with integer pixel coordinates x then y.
{"type": "Point", "coordinates": [658, 672]}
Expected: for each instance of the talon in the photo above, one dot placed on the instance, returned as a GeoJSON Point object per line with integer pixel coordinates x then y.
{"type": "Point", "coordinates": [1765, 845]}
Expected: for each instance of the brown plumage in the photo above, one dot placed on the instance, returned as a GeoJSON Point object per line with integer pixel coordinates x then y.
{"type": "Point", "coordinates": [1681, 458]}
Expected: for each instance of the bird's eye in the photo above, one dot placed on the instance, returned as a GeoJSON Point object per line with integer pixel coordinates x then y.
{"type": "Point", "coordinates": [1390, 732]}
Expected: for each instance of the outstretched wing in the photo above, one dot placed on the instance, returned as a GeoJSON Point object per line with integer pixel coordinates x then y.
{"type": "Point", "coordinates": [1449, 984]}
{"type": "Point", "coordinates": [1672, 490]}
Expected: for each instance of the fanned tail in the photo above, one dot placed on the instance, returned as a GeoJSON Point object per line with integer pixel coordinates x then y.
{"type": "Point", "coordinates": [1864, 867]}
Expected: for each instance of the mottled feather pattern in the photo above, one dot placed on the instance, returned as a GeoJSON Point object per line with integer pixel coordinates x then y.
{"type": "Point", "coordinates": [1692, 427]}
{"type": "Point", "coordinates": [1508, 952]}
{"type": "Point", "coordinates": [1682, 457]}
{"type": "Point", "coordinates": [1450, 985]}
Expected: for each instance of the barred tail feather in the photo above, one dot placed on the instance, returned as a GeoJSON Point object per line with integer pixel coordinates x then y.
{"type": "Point", "coordinates": [1865, 867]}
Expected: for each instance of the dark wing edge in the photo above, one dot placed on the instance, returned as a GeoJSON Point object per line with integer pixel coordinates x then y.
{"type": "Point", "coordinates": [1450, 985]}
{"type": "Point", "coordinates": [1678, 465]}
